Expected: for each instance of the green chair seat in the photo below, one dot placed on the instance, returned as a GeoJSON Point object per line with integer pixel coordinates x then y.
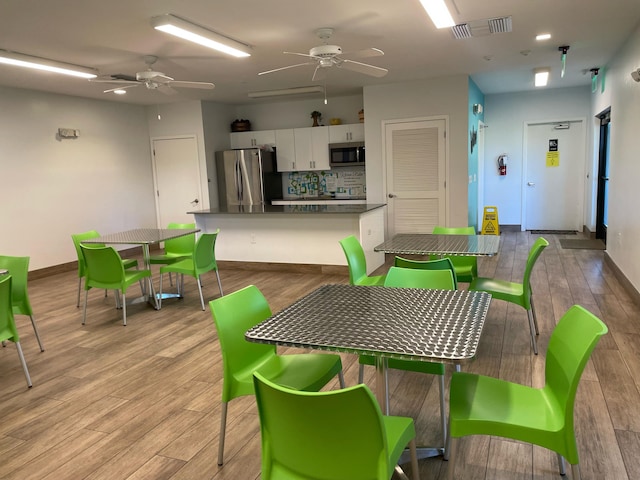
{"type": "Point", "coordinates": [517, 293]}
{"type": "Point", "coordinates": [358, 263]}
{"type": "Point", "coordinates": [176, 249]}
{"type": "Point", "coordinates": [466, 267]}
{"type": "Point", "coordinates": [334, 435]}
{"type": "Point", "coordinates": [481, 405]}
{"type": "Point", "coordinates": [8, 329]}
{"type": "Point", "coordinates": [233, 315]}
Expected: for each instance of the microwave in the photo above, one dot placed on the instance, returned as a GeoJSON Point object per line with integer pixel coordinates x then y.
{"type": "Point", "coordinates": [346, 154]}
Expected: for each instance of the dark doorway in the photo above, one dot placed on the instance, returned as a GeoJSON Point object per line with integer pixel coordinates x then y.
{"type": "Point", "coordinates": [603, 175]}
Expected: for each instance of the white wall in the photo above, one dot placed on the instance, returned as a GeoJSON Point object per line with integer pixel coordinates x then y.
{"type": "Point", "coordinates": [506, 115]}
{"type": "Point", "coordinates": [51, 188]}
{"type": "Point", "coordinates": [426, 98]}
{"type": "Point", "coordinates": [623, 95]}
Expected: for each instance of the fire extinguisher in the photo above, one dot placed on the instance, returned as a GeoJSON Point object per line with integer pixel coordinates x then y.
{"type": "Point", "coordinates": [502, 164]}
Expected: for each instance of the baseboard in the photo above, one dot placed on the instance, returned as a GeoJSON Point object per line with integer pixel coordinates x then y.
{"type": "Point", "coordinates": [588, 233]}
{"type": "Point", "coordinates": [628, 286]}
{"type": "Point", "coordinates": [284, 267]}
{"type": "Point", "coordinates": [510, 228]}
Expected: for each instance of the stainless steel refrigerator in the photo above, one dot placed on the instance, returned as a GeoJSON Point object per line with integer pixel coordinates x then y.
{"type": "Point", "coordinates": [247, 177]}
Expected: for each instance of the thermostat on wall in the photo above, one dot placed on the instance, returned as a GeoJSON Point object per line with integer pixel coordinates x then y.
{"type": "Point", "coordinates": [68, 133]}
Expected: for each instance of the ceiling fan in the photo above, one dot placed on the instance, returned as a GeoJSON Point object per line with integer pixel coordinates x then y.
{"type": "Point", "coordinates": [151, 79]}
{"type": "Point", "coordinates": [326, 56]}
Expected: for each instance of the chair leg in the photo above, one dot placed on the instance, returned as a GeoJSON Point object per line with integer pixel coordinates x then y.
{"type": "Point", "coordinates": [341, 379]}
{"type": "Point", "coordinates": [79, 288]}
{"type": "Point", "coordinates": [223, 425]}
{"type": "Point", "coordinates": [35, 330]}
{"type": "Point", "coordinates": [24, 365]}
{"type": "Point", "coordinates": [535, 318]}
{"type": "Point", "coordinates": [415, 471]}
{"type": "Point", "coordinates": [361, 374]}
{"type": "Point", "coordinates": [575, 472]}
{"type": "Point", "coordinates": [563, 471]}
{"type": "Point", "coordinates": [443, 414]}
{"type": "Point", "coordinates": [84, 309]}
{"type": "Point", "coordinates": [219, 284]}
{"type": "Point", "coordinates": [124, 309]}
{"type": "Point", "coordinates": [160, 295]}
{"type": "Point", "coordinates": [532, 328]}
{"type": "Point", "coordinates": [451, 448]}
{"type": "Point", "coordinates": [200, 290]}
{"type": "Point", "coordinates": [448, 444]}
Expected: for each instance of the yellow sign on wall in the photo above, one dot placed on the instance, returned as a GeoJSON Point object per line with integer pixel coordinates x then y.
{"type": "Point", "coordinates": [553, 159]}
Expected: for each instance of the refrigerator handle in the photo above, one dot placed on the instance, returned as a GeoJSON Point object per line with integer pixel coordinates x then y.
{"type": "Point", "coordinates": [238, 181]}
{"type": "Point", "coordinates": [246, 177]}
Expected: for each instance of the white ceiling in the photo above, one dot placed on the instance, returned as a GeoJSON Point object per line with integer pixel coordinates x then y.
{"type": "Point", "coordinates": [113, 36]}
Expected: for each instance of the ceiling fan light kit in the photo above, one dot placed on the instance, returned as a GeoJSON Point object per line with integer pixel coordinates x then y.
{"type": "Point", "coordinates": [194, 33]}
{"type": "Point", "coordinates": [37, 63]}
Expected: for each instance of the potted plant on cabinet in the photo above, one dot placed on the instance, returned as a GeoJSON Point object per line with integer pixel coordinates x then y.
{"type": "Point", "coordinates": [316, 117]}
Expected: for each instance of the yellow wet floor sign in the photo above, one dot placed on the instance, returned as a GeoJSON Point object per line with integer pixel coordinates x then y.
{"type": "Point", "coordinates": [490, 221]}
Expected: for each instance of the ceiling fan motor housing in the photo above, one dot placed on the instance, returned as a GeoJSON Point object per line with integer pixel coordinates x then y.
{"type": "Point", "coordinates": [325, 51]}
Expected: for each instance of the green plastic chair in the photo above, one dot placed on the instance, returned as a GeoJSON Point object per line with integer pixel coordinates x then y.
{"type": "Point", "coordinates": [437, 264]}
{"type": "Point", "coordinates": [202, 261]}
{"type": "Point", "coordinates": [19, 269]}
{"type": "Point", "coordinates": [82, 267]}
{"type": "Point", "coordinates": [416, 278]}
{"type": "Point", "coordinates": [358, 263]}
{"type": "Point", "coordinates": [233, 315]}
{"type": "Point", "coordinates": [176, 249]}
{"type": "Point", "coordinates": [518, 293]}
{"type": "Point", "coordinates": [8, 329]}
{"type": "Point", "coordinates": [480, 405]}
{"type": "Point", "coordinates": [466, 267]}
{"type": "Point", "coordinates": [340, 434]}
{"type": "Point", "coordinates": [104, 269]}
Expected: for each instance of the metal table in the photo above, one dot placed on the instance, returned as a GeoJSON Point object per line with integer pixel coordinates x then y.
{"type": "Point", "coordinates": [441, 244]}
{"type": "Point", "coordinates": [407, 323]}
{"type": "Point", "coordinates": [144, 237]}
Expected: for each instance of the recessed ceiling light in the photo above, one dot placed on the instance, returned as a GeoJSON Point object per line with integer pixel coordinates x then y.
{"type": "Point", "coordinates": [543, 36]}
{"type": "Point", "coordinates": [119, 91]}
{"type": "Point", "coordinates": [541, 76]}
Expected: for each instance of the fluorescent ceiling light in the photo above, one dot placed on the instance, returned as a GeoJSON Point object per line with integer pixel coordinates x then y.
{"type": "Point", "coordinates": [287, 91]}
{"type": "Point", "coordinates": [543, 36]}
{"type": "Point", "coordinates": [193, 33]}
{"type": "Point", "coordinates": [541, 77]}
{"type": "Point", "coordinates": [119, 91]}
{"type": "Point", "coordinates": [438, 12]}
{"type": "Point", "coordinates": [20, 60]}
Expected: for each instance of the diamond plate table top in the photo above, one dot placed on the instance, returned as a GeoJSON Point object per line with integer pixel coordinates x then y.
{"type": "Point", "coordinates": [432, 244]}
{"type": "Point", "coordinates": [143, 236]}
{"type": "Point", "coordinates": [410, 323]}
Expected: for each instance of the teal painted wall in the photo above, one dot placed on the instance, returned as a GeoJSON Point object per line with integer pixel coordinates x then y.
{"type": "Point", "coordinates": [475, 97]}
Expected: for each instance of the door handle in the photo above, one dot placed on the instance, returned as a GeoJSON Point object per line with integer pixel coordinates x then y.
{"type": "Point", "coordinates": [391, 195]}
{"type": "Point", "coordinates": [196, 201]}
{"type": "Point", "coordinates": [531, 184]}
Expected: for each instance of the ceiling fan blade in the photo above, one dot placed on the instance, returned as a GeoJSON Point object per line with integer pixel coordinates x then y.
{"type": "Point", "coordinates": [185, 84]}
{"type": "Point", "coordinates": [285, 68]}
{"type": "Point", "coordinates": [166, 89]}
{"type": "Point", "coordinates": [367, 52]}
{"type": "Point", "coordinates": [319, 73]}
{"type": "Point", "coordinates": [114, 82]}
{"type": "Point", "coordinates": [124, 87]}
{"type": "Point", "coordinates": [363, 68]}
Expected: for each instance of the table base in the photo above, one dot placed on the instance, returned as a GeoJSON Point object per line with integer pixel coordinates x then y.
{"type": "Point", "coordinates": [423, 452]}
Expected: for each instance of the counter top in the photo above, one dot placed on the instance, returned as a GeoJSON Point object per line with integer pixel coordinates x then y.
{"type": "Point", "coordinates": [291, 209]}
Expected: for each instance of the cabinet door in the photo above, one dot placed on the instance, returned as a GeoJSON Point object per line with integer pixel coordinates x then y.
{"type": "Point", "coordinates": [320, 148]}
{"type": "Point", "coordinates": [356, 132]}
{"type": "Point", "coordinates": [264, 137]}
{"type": "Point", "coordinates": [242, 139]}
{"type": "Point", "coordinates": [285, 150]}
{"type": "Point", "coordinates": [303, 148]}
{"type": "Point", "coordinates": [338, 133]}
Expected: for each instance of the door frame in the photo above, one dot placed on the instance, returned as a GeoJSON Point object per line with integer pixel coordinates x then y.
{"type": "Point", "coordinates": [602, 166]}
{"type": "Point", "coordinates": [480, 193]}
{"type": "Point", "coordinates": [385, 189]}
{"type": "Point", "coordinates": [152, 141]}
{"type": "Point", "coordinates": [523, 180]}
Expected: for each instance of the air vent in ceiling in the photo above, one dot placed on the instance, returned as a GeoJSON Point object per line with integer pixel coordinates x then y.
{"type": "Point", "coordinates": [482, 28]}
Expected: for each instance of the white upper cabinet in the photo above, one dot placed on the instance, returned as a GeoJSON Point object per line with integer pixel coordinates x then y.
{"type": "Point", "coordinates": [351, 132]}
{"type": "Point", "coordinates": [253, 139]}
{"type": "Point", "coordinates": [312, 148]}
{"type": "Point", "coordinates": [285, 150]}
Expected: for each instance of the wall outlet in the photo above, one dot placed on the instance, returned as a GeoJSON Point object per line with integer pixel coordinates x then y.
{"type": "Point", "coordinates": [252, 238]}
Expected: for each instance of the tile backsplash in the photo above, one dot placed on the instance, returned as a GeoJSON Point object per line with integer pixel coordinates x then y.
{"type": "Point", "coordinates": [345, 182]}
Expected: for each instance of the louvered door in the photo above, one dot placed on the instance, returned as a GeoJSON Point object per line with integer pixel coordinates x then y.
{"type": "Point", "coordinates": [415, 153]}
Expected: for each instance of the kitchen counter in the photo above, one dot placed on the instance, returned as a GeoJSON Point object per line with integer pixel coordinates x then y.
{"type": "Point", "coordinates": [337, 208]}
{"type": "Point", "coordinates": [294, 234]}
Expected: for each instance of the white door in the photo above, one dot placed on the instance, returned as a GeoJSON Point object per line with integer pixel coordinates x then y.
{"type": "Point", "coordinates": [177, 179]}
{"type": "Point", "coordinates": [416, 173]}
{"type": "Point", "coordinates": [554, 177]}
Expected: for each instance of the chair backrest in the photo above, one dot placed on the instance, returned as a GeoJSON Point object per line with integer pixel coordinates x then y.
{"type": "Point", "coordinates": [570, 346]}
{"type": "Point", "coordinates": [454, 230]}
{"type": "Point", "coordinates": [182, 245]}
{"type": "Point", "coordinates": [438, 264]}
{"type": "Point", "coordinates": [355, 258]}
{"type": "Point", "coordinates": [77, 240]}
{"type": "Point", "coordinates": [412, 278]}
{"type": "Point", "coordinates": [327, 435]}
{"type": "Point", "coordinates": [7, 325]}
{"type": "Point", "coordinates": [234, 314]}
{"type": "Point", "coordinates": [204, 256]}
{"type": "Point", "coordinates": [19, 269]}
{"type": "Point", "coordinates": [536, 249]}
{"type": "Point", "coordinates": [104, 267]}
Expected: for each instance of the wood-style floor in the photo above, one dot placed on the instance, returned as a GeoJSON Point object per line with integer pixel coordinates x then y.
{"type": "Point", "coordinates": [143, 401]}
